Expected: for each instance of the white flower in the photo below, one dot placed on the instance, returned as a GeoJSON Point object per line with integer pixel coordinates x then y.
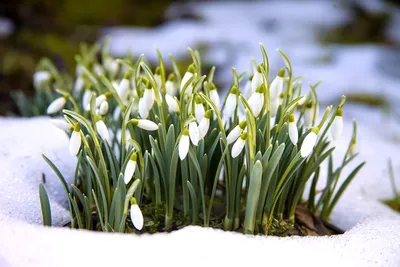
{"type": "Point", "coordinates": [256, 101]}
{"type": "Point", "coordinates": [145, 124]}
{"type": "Point", "coordinates": [231, 102]}
{"type": "Point", "coordinates": [123, 87]}
{"type": "Point", "coordinates": [199, 110]}
{"type": "Point", "coordinates": [353, 149]}
{"type": "Point", "coordinates": [308, 115]}
{"type": "Point", "coordinates": [214, 96]}
{"type": "Point", "coordinates": [194, 133]}
{"type": "Point", "coordinates": [205, 124]}
{"type": "Point", "coordinates": [172, 102]}
{"type": "Point", "coordinates": [239, 145]}
{"type": "Point", "coordinates": [57, 105]}
{"type": "Point", "coordinates": [169, 85]}
{"type": "Point", "coordinates": [75, 140]}
{"type": "Point", "coordinates": [136, 217]}
{"type": "Point", "coordinates": [236, 132]}
{"type": "Point", "coordinates": [274, 106]}
{"type": "Point", "coordinates": [63, 125]}
{"type": "Point", "coordinates": [97, 69]}
{"type": "Point", "coordinates": [293, 132]}
{"type": "Point", "coordinates": [302, 100]}
{"type": "Point", "coordinates": [247, 87]}
{"type": "Point", "coordinates": [111, 66]}
{"type": "Point", "coordinates": [277, 85]}
{"type": "Point", "coordinates": [257, 79]}
{"type": "Point", "coordinates": [337, 125]}
{"type": "Point", "coordinates": [100, 99]}
{"type": "Point", "coordinates": [103, 109]}
{"type": "Point", "coordinates": [148, 98]}
{"type": "Point", "coordinates": [117, 112]}
{"type": "Point", "coordinates": [41, 77]}
{"type": "Point", "coordinates": [130, 168]}
{"type": "Point", "coordinates": [102, 130]}
{"type": "Point", "coordinates": [183, 145]}
{"type": "Point", "coordinates": [79, 84]}
{"type": "Point", "coordinates": [189, 74]}
{"type": "Point", "coordinates": [308, 143]}
{"type": "Point", "coordinates": [143, 109]}
{"type": "Point", "coordinates": [86, 99]}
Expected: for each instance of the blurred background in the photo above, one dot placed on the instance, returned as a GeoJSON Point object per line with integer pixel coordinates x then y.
{"type": "Point", "coordinates": [353, 46]}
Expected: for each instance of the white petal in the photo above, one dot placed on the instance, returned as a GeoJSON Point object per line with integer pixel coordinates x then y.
{"type": "Point", "coordinates": [148, 98]}
{"type": "Point", "coordinates": [337, 127]}
{"type": "Point", "coordinates": [41, 77]}
{"type": "Point", "coordinates": [79, 84]}
{"type": "Point", "coordinates": [276, 87]}
{"type": "Point", "coordinates": [117, 112]}
{"type": "Point", "coordinates": [143, 110]}
{"type": "Point", "coordinates": [194, 133]}
{"type": "Point", "coordinates": [308, 144]}
{"type": "Point", "coordinates": [123, 89]}
{"type": "Point", "coordinates": [256, 102]}
{"type": "Point", "coordinates": [147, 125]}
{"type": "Point", "coordinates": [158, 81]}
{"type": "Point", "coordinates": [183, 147]}
{"type": "Point", "coordinates": [256, 82]}
{"type": "Point", "coordinates": [74, 143]}
{"type": "Point", "coordinates": [137, 217]}
{"type": "Point", "coordinates": [234, 134]}
{"type": "Point", "coordinates": [293, 133]}
{"type": "Point", "coordinates": [86, 99]}
{"type": "Point", "coordinates": [103, 108]}
{"type": "Point", "coordinates": [353, 149]}
{"type": "Point", "coordinates": [238, 147]}
{"type": "Point", "coordinates": [185, 79]}
{"type": "Point", "coordinates": [56, 105]}
{"type": "Point", "coordinates": [173, 105]}
{"type": "Point", "coordinates": [230, 105]}
{"type": "Point", "coordinates": [63, 125]}
{"type": "Point", "coordinates": [100, 99]}
{"type": "Point", "coordinates": [199, 112]}
{"type": "Point", "coordinates": [274, 105]}
{"type": "Point", "coordinates": [102, 130]}
{"type": "Point", "coordinates": [170, 88]}
{"type": "Point", "coordinates": [203, 127]}
{"type": "Point", "coordinates": [247, 89]}
{"type": "Point", "coordinates": [308, 117]}
{"type": "Point", "coordinates": [129, 171]}
{"type": "Point", "coordinates": [214, 96]}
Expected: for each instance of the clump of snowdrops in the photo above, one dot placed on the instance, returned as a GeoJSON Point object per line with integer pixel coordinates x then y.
{"type": "Point", "coordinates": [159, 150]}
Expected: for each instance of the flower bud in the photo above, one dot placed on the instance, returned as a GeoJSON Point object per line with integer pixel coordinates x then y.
{"type": "Point", "coordinates": [293, 132]}
{"type": "Point", "coordinates": [239, 145]}
{"type": "Point", "coordinates": [75, 140]}
{"type": "Point", "coordinates": [130, 168]}
{"type": "Point", "coordinates": [309, 142]}
{"type": "Point", "coordinates": [57, 105]}
{"type": "Point", "coordinates": [136, 216]}
{"type": "Point", "coordinates": [337, 125]}
{"type": "Point", "coordinates": [256, 101]}
{"type": "Point", "coordinates": [198, 109]}
{"type": "Point", "coordinates": [183, 145]}
{"type": "Point", "coordinates": [145, 124]}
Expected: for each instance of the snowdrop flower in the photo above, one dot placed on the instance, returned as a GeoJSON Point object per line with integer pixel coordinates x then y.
{"type": "Point", "coordinates": [198, 109]}
{"type": "Point", "coordinates": [57, 105]}
{"type": "Point", "coordinates": [189, 74]}
{"type": "Point", "coordinates": [103, 109]}
{"type": "Point", "coordinates": [41, 77]}
{"type": "Point", "coordinates": [75, 140]}
{"type": "Point", "coordinates": [145, 124]}
{"type": "Point", "coordinates": [302, 100]}
{"type": "Point", "coordinates": [277, 85]}
{"type": "Point", "coordinates": [79, 84]}
{"type": "Point", "coordinates": [87, 96]}
{"type": "Point", "coordinates": [274, 106]}
{"type": "Point", "coordinates": [247, 87]}
{"type": "Point", "coordinates": [136, 215]}
{"type": "Point", "coordinates": [143, 109]}
{"type": "Point", "coordinates": [231, 102]}
{"type": "Point", "coordinates": [183, 146]}
{"type": "Point", "coordinates": [239, 145]}
{"type": "Point", "coordinates": [111, 66]}
{"type": "Point", "coordinates": [102, 129]}
{"type": "Point", "coordinates": [236, 132]}
{"type": "Point", "coordinates": [257, 79]}
{"type": "Point", "coordinates": [123, 87]}
{"type": "Point", "coordinates": [353, 148]}
{"type": "Point", "coordinates": [149, 97]}
{"type": "Point", "coordinates": [308, 114]}
{"type": "Point", "coordinates": [169, 85]}
{"type": "Point", "coordinates": [309, 142]}
{"type": "Point", "coordinates": [256, 101]}
{"type": "Point", "coordinates": [293, 132]}
{"type": "Point", "coordinates": [214, 96]}
{"type": "Point", "coordinates": [172, 102]}
{"type": "Point", "coordinates": [157, 77]}
{"type": "Point", "coordinates": [130, 168]}
{"type": "Point", "coordinates": [63, 125]}
{"type": "Point", "coordinates": [194, 133]}
{"type": "Point", "coordinates": [337, 125]}
{"type": "Point", "coordinates": [117, 112]}
{"type": "Point", "coordinates": [205, 124]}
{"type": "Point", "coordinates": [100, 99]}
